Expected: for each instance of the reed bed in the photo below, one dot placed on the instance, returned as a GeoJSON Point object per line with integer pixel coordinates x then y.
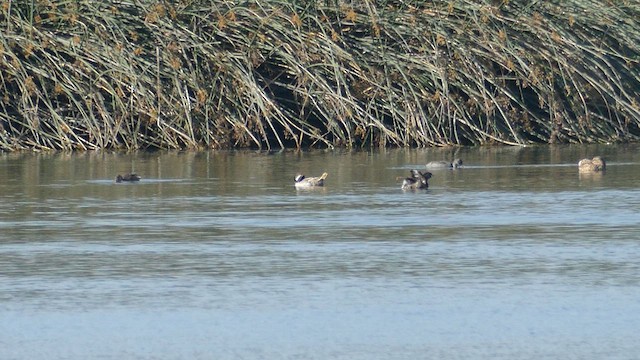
{"type": "Point", "coordinates": [275, 74]}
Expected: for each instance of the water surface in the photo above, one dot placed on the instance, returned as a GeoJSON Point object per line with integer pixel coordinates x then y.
{"type": "Point", "coordinates": [215, 255]}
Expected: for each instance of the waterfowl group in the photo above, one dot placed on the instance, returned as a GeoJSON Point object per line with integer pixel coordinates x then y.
{"type": "Point", "coordinates": [127, 178]}
{"type": "Point", "coordinates": [417, 180]}
{"type": "Point", "coordinates": [456, 163]}
{"type": "Point", "coordinates": [596, 164]}
{"type": "Point", "coordinates": [302, 181]}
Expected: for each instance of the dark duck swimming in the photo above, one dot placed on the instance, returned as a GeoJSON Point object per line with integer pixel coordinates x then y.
{"type": "Point", "coordinates": [417, 180]}
{"type": "Point", "coordinates": [127, 178]}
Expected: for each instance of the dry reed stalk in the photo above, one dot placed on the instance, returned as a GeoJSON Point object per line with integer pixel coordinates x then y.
{"type": "Point", "coordinates": [272, 74]}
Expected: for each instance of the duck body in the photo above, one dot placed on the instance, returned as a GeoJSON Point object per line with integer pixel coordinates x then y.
{"type": "Point", "coordinates": [456, 163]}
{"type": "Point", "coordinates": [127, 178]}
{"type": "Point", "coordinates": [418, 180]}
{"type": "Point", "coordinates": [302, 181]}
{"type": "Point", "coordinates": [596, 164]}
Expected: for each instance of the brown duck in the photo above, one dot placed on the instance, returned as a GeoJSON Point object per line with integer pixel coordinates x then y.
{"type": "Point", "coordinates": [592, 165]}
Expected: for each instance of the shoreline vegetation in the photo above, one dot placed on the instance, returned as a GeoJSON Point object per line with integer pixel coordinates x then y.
{"type": "Point", "coordinates": [84, 75]}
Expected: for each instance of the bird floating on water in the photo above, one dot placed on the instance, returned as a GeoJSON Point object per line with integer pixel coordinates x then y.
{"type": "Point", "coordinates": [592, 165]}
{"type": "Point", "coordinates": [302, 181]}
{"type": "Point", "coordinates": [127, 178]}
{"type": "Point", "coordinates": [456, 163]}
{"type": "Point", "coordinates": [417, 180]}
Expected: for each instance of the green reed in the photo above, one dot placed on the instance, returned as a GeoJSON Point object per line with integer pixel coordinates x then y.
{"type": "Point", "coordinates": [271, 74]}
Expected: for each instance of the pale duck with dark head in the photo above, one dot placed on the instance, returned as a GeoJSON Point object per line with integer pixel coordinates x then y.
{"type": "Point", "coordinates": [456, 163]}
{"type": "Point", "coordinates": [302, 181]}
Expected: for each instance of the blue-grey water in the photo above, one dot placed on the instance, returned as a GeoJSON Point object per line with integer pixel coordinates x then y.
{"type": "Point", "coordinates": [215, 255]}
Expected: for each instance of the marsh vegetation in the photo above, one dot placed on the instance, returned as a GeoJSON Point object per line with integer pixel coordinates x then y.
{"type": "Point", "coordinates": [272, 74]}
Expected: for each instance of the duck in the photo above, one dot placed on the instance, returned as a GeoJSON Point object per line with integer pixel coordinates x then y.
{"type": "Point", "coordinates": [302, 181]}
{"type": "Point", "coordinates": [417, 180]}
{"type": "Point", "coordinates": [456, 163]}
{"type": "Point", "coordinates": [592, 165]}
{"type": "Point", "coordinates": [127, 177]}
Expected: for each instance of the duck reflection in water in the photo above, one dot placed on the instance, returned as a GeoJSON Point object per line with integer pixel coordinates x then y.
{"type": "Point", "coordinates": [302, 182]}
{"type": "Point", "coordinates": [127, 178]}
{"type": "Point", "coordinates": [417, 180]}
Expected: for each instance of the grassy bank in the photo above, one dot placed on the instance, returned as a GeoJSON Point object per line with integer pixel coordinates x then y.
{"type": "Point", "coordinates": [219, 74]}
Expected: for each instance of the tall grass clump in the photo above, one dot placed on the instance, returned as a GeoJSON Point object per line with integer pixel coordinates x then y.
{"type": "Point", "coordinates": [272, 74]}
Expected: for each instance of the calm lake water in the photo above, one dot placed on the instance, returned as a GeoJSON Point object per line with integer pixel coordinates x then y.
{"type": "Point", "coordinates": [215, 255]}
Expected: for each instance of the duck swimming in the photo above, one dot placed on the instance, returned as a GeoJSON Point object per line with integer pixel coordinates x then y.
{"type": "Point", "coordinates": [417, 180]}
{"type": "Point", "coordinates": [127, 177]}
{"type": "Point", "coordinates": [456, 163]}
{"type": "Point", "coordinates": [306, 182]}
{"type": "Point", "coordinates": [592, 165]}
